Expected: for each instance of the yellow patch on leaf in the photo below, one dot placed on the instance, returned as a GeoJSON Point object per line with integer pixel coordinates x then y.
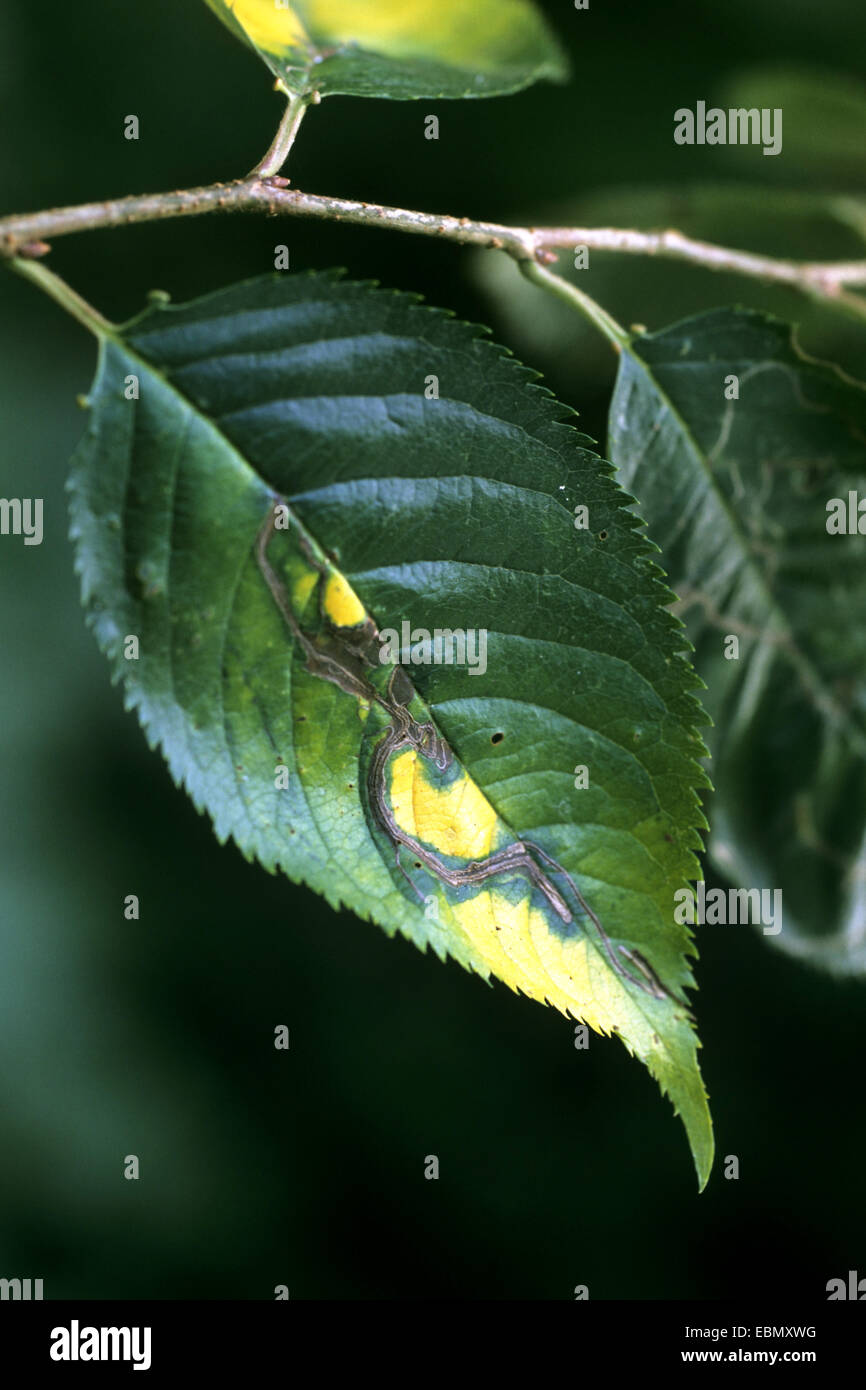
{"type": "Point", "coordinates": [453, 820]}
{"type": "Point", "coordinates": [273, 30]}
{"type": "Point", "coordinates": [517, 940]}
{"type": "Point", "coordinates": [340, 602]}
{"type": "Point", "coordinates": [449, 30]}
{"type": "Point", "coordinates": [518, 944]}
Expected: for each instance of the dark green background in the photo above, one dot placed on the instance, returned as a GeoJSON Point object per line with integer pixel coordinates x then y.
{"type": "Point", "coordinates": [558, 1167]}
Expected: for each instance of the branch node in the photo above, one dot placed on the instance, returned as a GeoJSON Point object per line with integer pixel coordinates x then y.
{"type": "Point", "coordinates": [34, 250]}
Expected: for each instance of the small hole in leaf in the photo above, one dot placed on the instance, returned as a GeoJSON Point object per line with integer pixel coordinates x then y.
{"type": "Point", "coordinates": [418, 864]}
{"type": "Point", "coordinates": [496, 738]}
{"type": "Point", "coordinates": [602, 535]}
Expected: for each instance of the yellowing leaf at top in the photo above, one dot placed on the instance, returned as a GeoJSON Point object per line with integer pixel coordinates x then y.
{"type": "Point", "coordinates": [274, 29]}
{"type": "Point", "coordinates": [398, 48]}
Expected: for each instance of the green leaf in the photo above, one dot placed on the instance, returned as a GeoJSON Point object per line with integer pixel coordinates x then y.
{"type": "Point", "coordinates": [736, 493]}
{"type": "Point", "coordinates": [259, 660]}
{"type": "Point", "coordinates": [398, 48]}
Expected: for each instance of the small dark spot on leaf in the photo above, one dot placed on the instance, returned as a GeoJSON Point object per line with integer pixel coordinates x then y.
{"type": "Point", "coordinates": [496, 738]}
{"type": "Point", "coordinates": [602, 535]}
{"type": "Point", "coordinates": [418, 864]}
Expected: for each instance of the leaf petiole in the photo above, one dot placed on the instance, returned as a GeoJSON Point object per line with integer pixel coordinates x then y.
{"type": "Point", "coordinates": [272, 162]}
{"type": "Point", "coordinates": [603, 321]}
{"type": "Point", "coordinates": [64, 295]}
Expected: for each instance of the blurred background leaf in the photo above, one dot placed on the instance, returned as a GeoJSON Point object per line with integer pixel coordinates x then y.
{"type": "Point", "coordinates": [824, 122]}
{"type": "Point", "coordinates": [734, 490]}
